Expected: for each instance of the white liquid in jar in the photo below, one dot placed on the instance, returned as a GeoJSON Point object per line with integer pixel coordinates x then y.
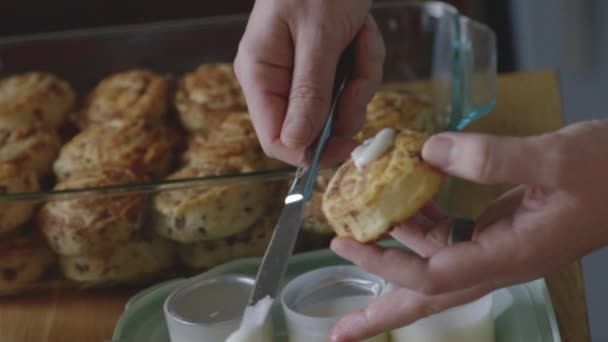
{"type": "Point", "coordinates": [472, 322]}
{"type": "Point", "coordinates": [336, 307]}
{"type": "Point", "coordinates": [331, 308]}
{"type": "Point", "coordinates": [481, 330]}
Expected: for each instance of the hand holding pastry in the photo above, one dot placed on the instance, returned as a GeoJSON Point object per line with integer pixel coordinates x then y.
{"type": "Point", "coordinates": [553, 216]}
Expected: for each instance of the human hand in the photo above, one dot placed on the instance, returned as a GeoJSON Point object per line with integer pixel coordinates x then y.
{"type": "Point", "coordinates": [555, 215]}
{"type": "Point", "coordinates": [286, 65]}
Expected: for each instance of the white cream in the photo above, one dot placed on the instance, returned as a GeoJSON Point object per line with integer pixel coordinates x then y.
{"type": "Point", "coordinates": [254, 327]}
{"type": "Point", "coordinates": [373, 148]}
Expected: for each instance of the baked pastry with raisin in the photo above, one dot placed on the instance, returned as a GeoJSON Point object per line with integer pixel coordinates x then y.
{"type": "Point", "coordinates": [366, 203]}
{"type": "Point", "coordinates": [126, 262]}
{"type": "Point", "coordinates": [315, 231]}
{"type": "Point", "coordinates": [130, 95]}
{"type": "Point", "coordinates": [210, 212]}
{"type": "Point", "coordinates": [249, 243]}
{"type": "Point", "coordinates": [398, 108]}
{"type": "Point", "coordinates": [207, 95]}
{"type": "Point", "coordinates": [24, 259]}
{"type": "Point", "coordinates": [35, 96]}
{"type": "Point", "coordinates": [143, 148]}
{"type": "Point", "coordinates": [313, 218]}
{"type": "Point", "coordinates": [94, 222]}
{"type": "Point", "coordinates": [32, 147]}
{"type": "Point", "coordinates": [14, 214]}
{"type": "Point", "coordinates": [235, 137]}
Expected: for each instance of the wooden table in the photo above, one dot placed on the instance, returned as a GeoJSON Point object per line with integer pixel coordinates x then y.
{"type": "Point", "coordinates": [528, 103]}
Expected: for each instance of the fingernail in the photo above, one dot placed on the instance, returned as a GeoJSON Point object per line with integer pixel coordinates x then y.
{"type": "Point", "coordinates": [438, 151]}
{"type": "Point", "coordinates": [296, 133]}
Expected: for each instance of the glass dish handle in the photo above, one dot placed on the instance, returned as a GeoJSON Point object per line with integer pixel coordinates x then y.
{"type": "Point", "coordinates": [477, 63]}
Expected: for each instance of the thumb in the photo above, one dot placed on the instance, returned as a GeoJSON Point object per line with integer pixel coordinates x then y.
{"type": "Point", "coordinates": [311, 89]}
{"type": "Point", "coordinates": [490, 159]}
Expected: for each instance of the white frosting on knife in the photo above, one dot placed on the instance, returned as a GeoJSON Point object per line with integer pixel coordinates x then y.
{"type": "Point", "coordinates": [252, 327]}
{"type": "Point", "coordinates": [373, 148]}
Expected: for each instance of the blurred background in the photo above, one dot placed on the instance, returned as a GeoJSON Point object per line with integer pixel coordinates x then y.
{"type": "Point", "coordinates": [565, 35]}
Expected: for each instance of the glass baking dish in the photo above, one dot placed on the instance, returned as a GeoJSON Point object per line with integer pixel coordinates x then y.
{"type": "Point", "coordinates": [445, 58]}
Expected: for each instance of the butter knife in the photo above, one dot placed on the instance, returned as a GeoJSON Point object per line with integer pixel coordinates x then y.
{"type": "Point", "coordinates": [274, 262]}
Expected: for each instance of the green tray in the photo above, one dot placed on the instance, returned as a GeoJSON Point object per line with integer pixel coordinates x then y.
{"type": "Point", "coordinates": [523, 313]}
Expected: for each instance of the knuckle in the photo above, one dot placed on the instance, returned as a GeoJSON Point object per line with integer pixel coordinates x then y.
{"type": "Point", "coordinates": [237, 65]}
{"type": "Point", "coordinates": [242, 61]}
{"type": "Point", "coordinates": [378, 53]}
{"type": "Point", "coordinates": [381, 51]}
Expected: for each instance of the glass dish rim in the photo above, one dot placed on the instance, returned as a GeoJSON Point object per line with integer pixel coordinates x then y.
{"type": "Point", "coordinates": [140, 188]}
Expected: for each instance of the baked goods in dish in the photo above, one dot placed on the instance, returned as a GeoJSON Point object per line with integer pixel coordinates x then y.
{"type": "Point", "coordinates": [313, 218]}
{"type": "Point", "coordinates": [209, 212]}
{"type": "Point", "coordinates": [398, 108]}
{"type": "Point", "coordinates": [14, 213]}
{"type": "Point", "coordinates": [130, 95]}
{"type": "Point", "coordinates": [233, 138]}
{"type": "Point", "coordinates": [35, 96]}
{"type": "Point", "coordinates": [315, 232]}
{"type": "Point", "coordinates": [249, 243]}
{"type": "Point", "coordinates": [24, 260]}
{"type": "Point", "coordinates": [31, 147]}
{"type": "Point", "coordinates": [93, 223]}
{"type": "Point", "coordinates": [365, 204]}
{"type": "Point", "coordinates": [131, 261]}
{"type": "Point", "coordinates": [207, 95]}
{"type": "Point", "coordinates": [143, 148]}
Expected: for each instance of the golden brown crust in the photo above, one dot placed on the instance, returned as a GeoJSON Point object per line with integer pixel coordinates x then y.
{"type": "Point", "coordinates": [13, 214]}
{"type": "Point", "coordinates": [234, 138]}
{"type": "Point", "coordinates": [24, 260]}
{"type": "Point", "coordinates": [91, 224]}
{"type": "Point", "coordinates": [366, 204]}
{"type": "Point", "coordinates": [207, 95]}
{"type": "Point", "coordinates": [35, 97]}
{"type": "Point", "coordinates": [313, 218]}
{"type": "Point", "coordinates": [31, 147]}
{"type": "Point", "coordinates": [122, 263]}
{"type": "Point", "coordinates": [145, 149]}
{"type": "Point", "coordinates": [130, 95]}
{"type": "Point", "coordinates": [209, 212]}
{"type": "Point", "coordinates": [398, 108]}
{"type": "Point", "coordinates": [249, 243]}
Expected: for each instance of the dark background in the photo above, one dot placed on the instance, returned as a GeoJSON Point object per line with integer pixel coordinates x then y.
{"type": "Point", "coordinates": [34, 16]}
{"type": "Point", "coordinates": [568, 36]}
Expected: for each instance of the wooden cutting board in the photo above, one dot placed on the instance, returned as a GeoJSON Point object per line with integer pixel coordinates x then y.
{"type": "Point", "coordinates": [528, 103]}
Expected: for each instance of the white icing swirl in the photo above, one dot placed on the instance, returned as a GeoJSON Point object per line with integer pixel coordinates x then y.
{"type": "Point", "coordinates": [373, 148]}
